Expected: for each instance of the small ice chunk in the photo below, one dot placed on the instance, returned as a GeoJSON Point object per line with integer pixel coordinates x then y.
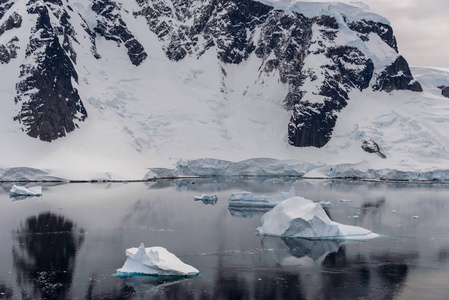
{"type": "Point", "coordinates": [17, 190]}
{"type": "Point", "coordinates": [205, 197]}
{"type": "Point", "coordinates": [325, 203]}
{"type": "Point", "coordinates": [154, 261]}
{"type": "Point", "coordinates": [300, 217]}
{"type": "Point", "coordinates": [345, 200]}
{"type": "Point", "coordinates": [393, 211]}
{"type": "Point", "coordinates": [415, 217]}
{"type": "Point", "coordinates": [249, 199]}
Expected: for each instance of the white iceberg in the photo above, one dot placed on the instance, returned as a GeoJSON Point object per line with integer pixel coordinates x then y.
{"type": "Point", "coordinates": [154, 261]}
{"type": "Point", "coordinates": [300, 217]}
{"type": "Point", "coordinates": [207, 198]}
{"type": "Point", "coordinates": [17, 190]}
{"type": "Point", "coordinates": [248, 199]}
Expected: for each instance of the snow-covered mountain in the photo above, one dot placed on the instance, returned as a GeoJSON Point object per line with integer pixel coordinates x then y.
{"type": "Point", "coordinates": [109, 89]}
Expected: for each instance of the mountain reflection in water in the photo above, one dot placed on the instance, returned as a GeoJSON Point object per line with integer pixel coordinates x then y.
{"type": "Point", "coordinates": [44, 255]}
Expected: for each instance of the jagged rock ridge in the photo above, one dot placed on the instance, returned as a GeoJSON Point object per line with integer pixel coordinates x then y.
{"type": "Point", "coordinates": [284, 42]}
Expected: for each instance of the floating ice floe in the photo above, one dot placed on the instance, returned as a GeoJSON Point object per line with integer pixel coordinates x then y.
{"type": "Point", "coordinates": [247, 199]}
{"type": "Point", "coordinates": [345, 200]}
{"type": "Point", "coordinates": [300, 217]}
{"type": "Point", "coordinates": [23, 191]}
{"type": "Point", "coordinates": [207, 198]}
{"type": "Point", "coordinates": [154, 261]}
{"type": "Point", "coordinates": [325, 203]}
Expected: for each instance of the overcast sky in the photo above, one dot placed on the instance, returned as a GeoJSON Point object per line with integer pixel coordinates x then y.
{"type": "Point", "coordinates": [421, 28]}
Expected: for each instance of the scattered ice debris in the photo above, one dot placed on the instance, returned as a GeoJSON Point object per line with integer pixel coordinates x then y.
{"type": "Point", "coordinates": [393, 211]}
{"type": "Point", "coordinates": [207, 198]}
{"type": "Point", "coordinates": [325, 203]}
{"type": "Point", "coordinates": [17, 190]}
{"type": "Point", "coordinates": [300, 217]}
{"type": "Point", "coordinates": [415, 217]}
{"type": "Point", "coordinates": [355, 216]}
{"type": "Point", "coordinates": [154, 261]}
{"type": "Point", "coordinates": [247, 199]}
{"type": "Point", "coordinates": [345, 200]}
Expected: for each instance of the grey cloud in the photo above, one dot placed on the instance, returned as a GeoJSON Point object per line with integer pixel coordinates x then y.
{"type": "Point", "coordinates": [421, 28]}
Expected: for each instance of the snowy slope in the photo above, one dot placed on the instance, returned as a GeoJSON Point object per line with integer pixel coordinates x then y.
{"type": "Point", "coordinates": [153, 112]}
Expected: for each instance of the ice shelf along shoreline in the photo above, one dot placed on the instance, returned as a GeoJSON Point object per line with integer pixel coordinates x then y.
{"type": "Point", "coordinates": [203, 168]}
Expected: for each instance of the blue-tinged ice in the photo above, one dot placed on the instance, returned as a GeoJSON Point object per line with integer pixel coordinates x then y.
{"type": "Point", "coordinates": [17, 190]}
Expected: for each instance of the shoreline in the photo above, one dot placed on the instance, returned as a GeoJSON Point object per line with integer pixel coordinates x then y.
{"type": "Point", "coordinates": [355, 179]}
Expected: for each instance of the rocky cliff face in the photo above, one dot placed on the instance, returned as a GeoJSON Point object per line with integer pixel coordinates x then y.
{"type": "Point", "coordinates": [111, 26]}
{"type": "Point", "coordinates": [50, 105]}
{"type": "Point", "coordinates": [8, 50]}
{"type": "Point", "coordinates": [319, 58]}
{"type": "Point", "coordinates": [397, 76]}
{"type": "Point", "coordinates": [444, 91]}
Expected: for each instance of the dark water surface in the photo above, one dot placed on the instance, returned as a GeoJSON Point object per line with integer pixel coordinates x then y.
{"type": "Point", "coordinates": [68, 243]}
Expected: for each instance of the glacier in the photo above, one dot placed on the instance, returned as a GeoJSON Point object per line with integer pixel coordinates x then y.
{"type": "Point", "coordinates": [156, 261]}
{"type": "Point", "coordinates": [300, 217]}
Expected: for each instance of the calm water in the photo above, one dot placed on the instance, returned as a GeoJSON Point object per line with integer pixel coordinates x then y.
{"type": "Point", "coordinates": [69, 243]}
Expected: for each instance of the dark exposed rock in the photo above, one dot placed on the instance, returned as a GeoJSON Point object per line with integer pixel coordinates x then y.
{"type": "Point", "coordinates": [5, 57]}
{"type": "Point", "coordinates": [112, 27]}
{"type": "Point", "coordinates": [397, 76]}
{"type": "Point", "coordinates": [8, 51]}
{"type": "Point", "coordinates": [14, 21]}
{"type": "Point", "coordinates": [371, 146]}
{"type": "Point", "coordinates": [220, 23]}
{"type": "Point", "coordinates": [286, 37]}
{"type": "Point", "coordinates": [359, 73]}
{"type": "Point", "coordinates": [65, 28]}
{"type": "Point", "coordinates": [5, 5]}
{"type": "Point", "coordinates": [50, 105]}
{"type": "Point", "coordinates": [312, 124]}
{"type": "Point", "coordinates": [384, 31]}
{"type": "Point", "coordinates": [444, 90]}
{"type": "Point", "coordinates": [92, 36]}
